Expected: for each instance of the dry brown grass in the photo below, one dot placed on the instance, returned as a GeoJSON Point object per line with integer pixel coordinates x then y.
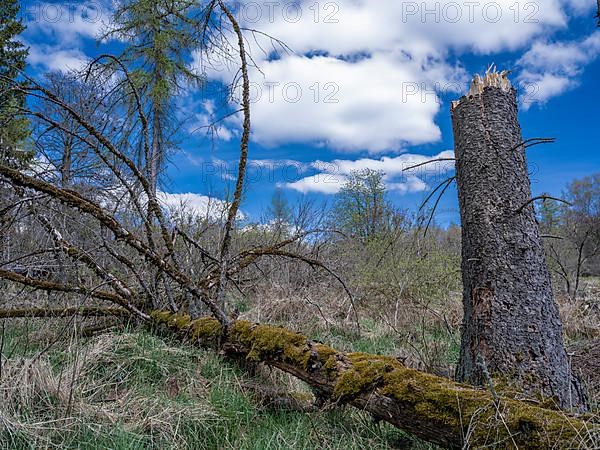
{"type": "Point", "coordinates": [581, 317]}
{"type": "Point", "coordinates": [101, 382]}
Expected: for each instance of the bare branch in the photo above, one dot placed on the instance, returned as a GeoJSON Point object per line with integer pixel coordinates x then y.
{"type": "Point", "coordinates": [57, 287]}
{"type": "Point", "coordinates": [439, 186]}
{"type": "Point", "coordinates": [437, 202]}
{"type": "Point", "coordinates": [62, 312]}
{"type": "Point", "coordinates": [244, 143]}
{"type": "Point", "coordinates": [544, 198]}
{"type": "Point", "coordinates": [532, 142]}
{"type": "Point", "coordinates": [428, 162]}
{"type": "Point", "coordinates": [75, 200]}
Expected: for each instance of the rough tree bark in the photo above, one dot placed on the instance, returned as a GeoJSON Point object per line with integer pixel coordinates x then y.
{"type": "Point", "coordinates": [511, 328]}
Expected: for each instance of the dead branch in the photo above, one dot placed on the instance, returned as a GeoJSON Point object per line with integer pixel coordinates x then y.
{"type": "Point", "coordinates": [79, 255]}
{"type": "Point", "coordinates": [437, 202]}
{"type": "Point", "coordinates": [62, 312]}
{"type": "Point", "coordinates": [437, 188]}
{"type": "Point", "coordinates": [428, 162]}
{"type": "Point", "coordinates": [544, 198]}
{"type": "Point", "coordinates": [244, 143]}
{"type": "Point", "coordinates": [250, 256]}
{"type": "Point", "coordinates": [57, 287]}
{"type": "Point", "coordinates": [531, 142]}
{"type": "Point", "coordinates": [75, 200]}
{"type": "Point", "coordinates": [551, 236]}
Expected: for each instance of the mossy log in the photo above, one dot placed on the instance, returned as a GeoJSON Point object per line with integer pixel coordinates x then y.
{"type": "Point", "coordinates": [435, 409]}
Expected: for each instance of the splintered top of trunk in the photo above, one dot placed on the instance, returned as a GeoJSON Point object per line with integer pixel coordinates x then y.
{"type": "Point", "coordinates": [492, 78]}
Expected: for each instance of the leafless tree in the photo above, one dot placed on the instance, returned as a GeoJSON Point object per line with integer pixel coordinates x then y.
{"type": "Point", "coordinates": [69, 157]}
{"type": "Point", "coordinates": [572, 233]}
{"type": "Point", "coordinates": [123, 245]}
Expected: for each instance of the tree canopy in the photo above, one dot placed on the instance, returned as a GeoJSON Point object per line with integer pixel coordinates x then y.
{"type": "Point", "coordinates": [361, 207]}
{"type": "Point", "coordinates": [161, 37]}
{"type": "Point", "coordinates": [14, 129]}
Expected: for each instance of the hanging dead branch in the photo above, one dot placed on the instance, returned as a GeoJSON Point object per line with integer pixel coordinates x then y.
{"type": "Point", "coordinates": [416, 166]}
{"type": "Point", "coordinates": [541, 197]}
{"type": "Point", "coordinates": [244, 143]}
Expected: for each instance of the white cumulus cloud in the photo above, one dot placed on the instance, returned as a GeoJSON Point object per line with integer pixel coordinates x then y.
{"type": "Point", "coordinates": [381, 103]}
{"type": "Point", "coordinates": [55, 32]}
{"type": "Point", "coordinates": [332, 175]}
{"type": "Point", "coordinates": [54, 58]}
{"type": "Point", "coordinates": [551, 68]}
{"type": "Point", "coordinates": [366, 74]}
{"type": "Point", "coordinates": [198, 205]}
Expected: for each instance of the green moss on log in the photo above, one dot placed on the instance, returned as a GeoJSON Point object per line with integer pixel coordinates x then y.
{"type": "Point", "coordinates": [327, 358]}
{"type": "Point", "coordinates": [263, 342]}
{"type": "Point", "coordinates": [206, 329]}
{"type": "Point", "coordinates": [364, 373]}
{"type": "Point", "coordinates": [267, 342]}
{"type": "Point", "coordinates": [433, 408]}
{"type": "Point", "coordinates": [444, 403]}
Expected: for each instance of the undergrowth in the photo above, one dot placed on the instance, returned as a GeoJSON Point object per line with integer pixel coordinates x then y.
{"type": "Point", "coordinates": [137, 391]}
{"type": "Point", "coordinates": [134, 390]}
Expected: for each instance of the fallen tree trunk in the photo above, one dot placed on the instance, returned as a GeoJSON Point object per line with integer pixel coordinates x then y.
{"type": "Point", "coordinates": [435, 409]}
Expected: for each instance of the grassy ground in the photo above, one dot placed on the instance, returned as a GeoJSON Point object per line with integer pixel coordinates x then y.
{"type": "Point", "coordinates": [133, 390]}
{"type": "Point", "coordinates": [138, 391]}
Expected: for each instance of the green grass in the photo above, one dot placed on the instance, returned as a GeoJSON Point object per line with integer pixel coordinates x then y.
{"type": "Point", "coordinates": [17, 339]}
{"type": "Point", "coordinates": [124, 398]}
{"type": "Point", "coordinates": [368, 342]}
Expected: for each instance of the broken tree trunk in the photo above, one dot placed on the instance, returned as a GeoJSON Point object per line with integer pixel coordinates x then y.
{"type": "Point", "coordinates": [511, 327]}
{"type": "Point", "coordinates": [435, 409]}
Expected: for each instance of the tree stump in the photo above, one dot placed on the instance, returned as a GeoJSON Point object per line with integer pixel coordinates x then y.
{"type": "Point", "coordinates": [511, 329]}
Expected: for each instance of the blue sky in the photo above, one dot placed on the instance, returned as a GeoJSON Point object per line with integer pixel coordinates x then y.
{"type": "Point", "coordinates": [368, 84]}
